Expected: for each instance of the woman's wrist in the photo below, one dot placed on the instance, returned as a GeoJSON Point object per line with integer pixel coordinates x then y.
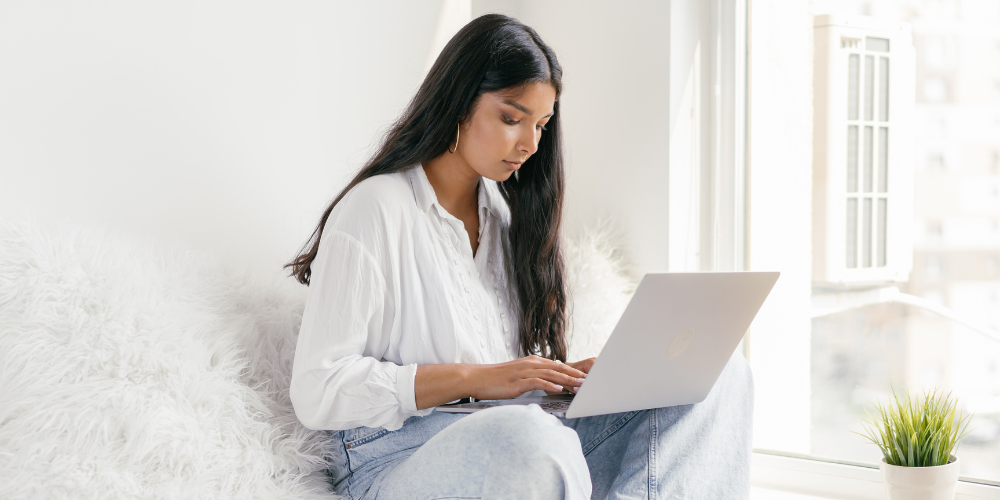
{"type": "Point", "coordinates": [442, 383]}
{"type": "Point", "coordinates": [470, 379]}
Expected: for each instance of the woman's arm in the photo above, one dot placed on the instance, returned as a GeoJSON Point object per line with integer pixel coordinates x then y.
{"type": "Point", "coordinates": [335, 385]}
{"type": "Point", "coordinates": [438, 384]}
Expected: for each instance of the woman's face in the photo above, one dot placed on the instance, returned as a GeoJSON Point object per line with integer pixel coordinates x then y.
{"type": "Point", "coordinates": [504, 130]}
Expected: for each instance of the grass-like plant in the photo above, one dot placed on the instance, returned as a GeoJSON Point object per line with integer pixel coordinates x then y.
{"type": "Point", "coordinates": [917, 433]}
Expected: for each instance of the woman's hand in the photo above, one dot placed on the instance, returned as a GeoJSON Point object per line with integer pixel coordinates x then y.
{"type": "Point", "coordinates": [583, 366]}
{"type": "Point", "coordinates": [514, 378]}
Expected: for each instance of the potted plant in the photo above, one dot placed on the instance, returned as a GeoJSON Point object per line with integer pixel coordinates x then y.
{"type": "Point", "coordinates": [918, 440]}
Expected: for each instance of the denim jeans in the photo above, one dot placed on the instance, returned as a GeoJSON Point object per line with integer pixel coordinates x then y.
{"type": "Point", "coordinates": [520, 452]}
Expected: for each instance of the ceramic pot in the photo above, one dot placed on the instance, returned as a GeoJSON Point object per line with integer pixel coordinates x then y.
{"type": "Point", "coordinates": [921, 483]}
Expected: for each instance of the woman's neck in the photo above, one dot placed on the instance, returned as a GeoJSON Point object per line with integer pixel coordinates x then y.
{"type": "Point", "coordinates": [454, 183]}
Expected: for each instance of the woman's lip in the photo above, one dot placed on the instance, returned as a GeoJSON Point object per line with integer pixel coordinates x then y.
{"type": "Point", "coordinates": [512, 165]}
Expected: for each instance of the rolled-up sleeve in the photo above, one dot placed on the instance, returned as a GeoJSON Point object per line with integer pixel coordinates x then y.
{"type": "Point", "coordinates": [337, 382]}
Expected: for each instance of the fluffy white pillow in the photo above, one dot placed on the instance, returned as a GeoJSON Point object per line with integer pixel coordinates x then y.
{"type": "Point", "coordinates": [132, 370]}
{"type": "Point", "coordinates": [600, 286]}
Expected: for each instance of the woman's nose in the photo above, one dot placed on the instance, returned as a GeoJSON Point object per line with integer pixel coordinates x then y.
{"type": "Point", "coordinates": [529, 142]}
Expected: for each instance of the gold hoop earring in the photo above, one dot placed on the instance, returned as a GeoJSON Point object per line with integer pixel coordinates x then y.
{"type": "Point", "coordinates": [458, 135]}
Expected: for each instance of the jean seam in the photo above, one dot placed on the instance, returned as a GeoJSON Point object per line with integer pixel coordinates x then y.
{"type": "Point", "coordinates": [350, 466]}
{"type": "Point", "coordinates": [609, 431]}
{"type": "Point", "coordinates": [651, 469]}
{"type": "Point", "coordinates": [343, 442]}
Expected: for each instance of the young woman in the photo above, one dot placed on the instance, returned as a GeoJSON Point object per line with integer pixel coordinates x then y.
{"type": "Point", "coordinates": [437, 275]}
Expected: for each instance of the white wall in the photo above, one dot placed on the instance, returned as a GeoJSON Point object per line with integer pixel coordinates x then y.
{"type": "Point", "coordinates": [228, 125]}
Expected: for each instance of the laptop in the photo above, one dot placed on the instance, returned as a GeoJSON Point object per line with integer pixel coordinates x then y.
{"type": "Point", "coordinates": [669, 346]}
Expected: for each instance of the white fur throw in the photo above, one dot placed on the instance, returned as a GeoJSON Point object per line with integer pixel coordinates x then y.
{"type": "Point", "coordinates": [131, 370]}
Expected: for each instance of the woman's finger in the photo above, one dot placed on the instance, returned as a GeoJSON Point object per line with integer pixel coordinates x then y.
{"type": "Point", "coordinates": [560, 378]}
{"type": "Point", "coordinates": [559, 365]}
{"type": "Point", "coordinates": [569, 370]}
{"type": "Point", "coordinates": [538, 362]}
{"type": "Point", "coordinates": [545, 385]}
{"type": "Point", "coordinates": [583, 365]}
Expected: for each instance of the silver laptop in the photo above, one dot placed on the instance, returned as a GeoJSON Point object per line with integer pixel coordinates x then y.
{"type": "Point", "coordinates": [668, 348]}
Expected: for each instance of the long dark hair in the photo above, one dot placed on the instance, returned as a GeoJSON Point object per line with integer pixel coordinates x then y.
{"type": "Point", "coordinates": [492, 53]}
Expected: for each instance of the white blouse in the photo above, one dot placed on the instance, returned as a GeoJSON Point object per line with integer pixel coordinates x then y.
{"type": "Point", "coordinates": [394, 285]}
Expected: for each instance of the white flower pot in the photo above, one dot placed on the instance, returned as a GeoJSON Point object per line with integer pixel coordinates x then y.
{"type": "Point", "coordinates": [921, 483]}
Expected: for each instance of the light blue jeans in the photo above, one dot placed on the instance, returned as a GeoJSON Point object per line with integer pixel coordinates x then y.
{"type": "Point", "coordinates": [520, 452]}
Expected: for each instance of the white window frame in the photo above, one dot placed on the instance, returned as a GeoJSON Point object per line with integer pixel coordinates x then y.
{"type": "Point", "coordinates": [708, 194]}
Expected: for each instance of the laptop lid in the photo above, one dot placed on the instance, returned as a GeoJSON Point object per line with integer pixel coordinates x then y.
{"type": "Point", "coordinates": [672, 342]}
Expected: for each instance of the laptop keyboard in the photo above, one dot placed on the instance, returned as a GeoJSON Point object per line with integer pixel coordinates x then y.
{"type": "Point", "coordinates": [556, 406]}
{"type": "Point", "coordinates": [549, 406]}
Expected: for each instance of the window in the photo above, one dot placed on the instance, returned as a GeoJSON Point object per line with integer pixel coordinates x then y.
{"type": "Point", "coordinates": [937, 324]}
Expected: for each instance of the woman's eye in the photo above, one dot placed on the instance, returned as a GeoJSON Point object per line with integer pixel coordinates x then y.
{"type": "Point", "coordinates": [515, 122]}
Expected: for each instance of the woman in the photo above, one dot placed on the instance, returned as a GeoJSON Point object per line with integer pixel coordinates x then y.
{"type": "Point", "coordinates": [437, 275]}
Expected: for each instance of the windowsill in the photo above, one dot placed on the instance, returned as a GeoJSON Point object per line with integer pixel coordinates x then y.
{"type": "Point", "coordinates": [778, 476]}
{"type": "Point", "coordinates": [762, 493]}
